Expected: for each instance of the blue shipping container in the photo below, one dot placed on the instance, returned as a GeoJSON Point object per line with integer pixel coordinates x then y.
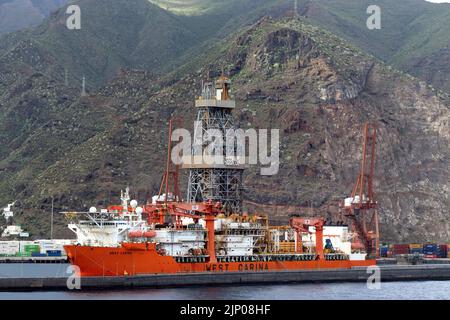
{"type": "Point", "coordinates": [54, 253]}
{"type": "Point", "coordinates": [430, 249]}
{"type": "Point", "coordinates": [38, 254]}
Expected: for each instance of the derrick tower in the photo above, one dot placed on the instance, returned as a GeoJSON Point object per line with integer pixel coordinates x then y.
{"type": "Point", "coordinates": [213, 175]}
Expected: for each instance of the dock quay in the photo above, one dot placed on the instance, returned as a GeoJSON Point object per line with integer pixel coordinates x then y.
{"type": "Point", "coordinates": [425, 272]}
{"type": "Point", "coordinates": [61, 259]}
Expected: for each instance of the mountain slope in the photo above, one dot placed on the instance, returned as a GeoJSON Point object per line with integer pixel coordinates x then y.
{"type": "Point", "coordinates": [19, 14]}
{"type": "Point", "coordinates": [129, 34]}
{"type": "Point", "coordinates": [287, 74]}
{"type": "Point", "coordinates": [415, 34]}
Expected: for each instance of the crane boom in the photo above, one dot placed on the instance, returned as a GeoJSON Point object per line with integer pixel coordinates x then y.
{"type": "Point", "coordinates": [362, 207]}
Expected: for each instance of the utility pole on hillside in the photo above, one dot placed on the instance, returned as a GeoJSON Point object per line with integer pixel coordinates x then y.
{"type": "Point", "coordinates": [51, 222]}
{"type": "Point", "coordinates": [83, 87]}
{"type": "Point", "coordinates": [66, 77]}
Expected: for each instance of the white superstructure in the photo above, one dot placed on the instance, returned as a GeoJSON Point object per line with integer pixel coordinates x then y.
{"type": "Point", "coordinates": [106, 228]}
{"type": "Point", "coordinates": [180, 242]}
{"type": "Point", "coordinates": [338, 235]}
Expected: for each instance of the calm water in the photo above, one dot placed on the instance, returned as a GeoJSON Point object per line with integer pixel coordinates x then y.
{"type": "Point", "coordinates": [389, 290]}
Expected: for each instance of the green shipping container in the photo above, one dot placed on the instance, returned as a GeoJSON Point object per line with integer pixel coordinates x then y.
{"type": "Point", "coordinates": [32, 248]}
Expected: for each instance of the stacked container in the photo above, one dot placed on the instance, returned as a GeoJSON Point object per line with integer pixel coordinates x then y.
{"type": "Point", "coordinates": [384, 251]}
{"type": "Point", "coordinates": [442, 251]}
{"type": "Point", "coordinates": [27, 248]}
{"type": "Point", "coordinates": [390, 252]}
{"type": "Point", "coordinates": [48, 245]}
{"type": "Point", "coordinates": [401, 249]}
{"type": "Point", "coordinates": [38, 254]}
{"type": "Point", "coordinates": [54, 253]}
{"type": "Point", "coordinates": [430, 250]}
{"type": "Point", "coordinates": [415, 248]}
{"type": "Point", "coordinates": [9, 248]}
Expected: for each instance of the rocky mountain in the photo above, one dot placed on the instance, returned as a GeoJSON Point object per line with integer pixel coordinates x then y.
{"type": "Point", "coordinates": [414, 34]}
{"type": "Point", "coordinates": [122, 34]}
{"type": "Point", "coordinates": [288, 74]}
{"type": "Point", "coordinates": [113, 35]}
{"type": "Point", "coordinates": [20, 14]}
{"type": "Point", "coordinates": [131, 34]}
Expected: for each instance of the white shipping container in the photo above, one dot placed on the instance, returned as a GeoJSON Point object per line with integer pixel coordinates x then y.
{"type": "Point", "coordinates": [57, 244]}
{"type": "Point", "coordinates": [9, 247]}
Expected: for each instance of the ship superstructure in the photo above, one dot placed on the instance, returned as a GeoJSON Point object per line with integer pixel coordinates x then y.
{"type": "Point", "coordinates": [107, 227]}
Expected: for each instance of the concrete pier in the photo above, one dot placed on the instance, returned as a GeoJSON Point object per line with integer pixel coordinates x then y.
{"type": "Point", "coordinates": [388, 273]}
{"type": "Point", "coordinates": [62, 259]}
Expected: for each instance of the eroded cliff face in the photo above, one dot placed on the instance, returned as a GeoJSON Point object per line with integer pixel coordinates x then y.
{"type": "Point", "coordinates": [317, 89]}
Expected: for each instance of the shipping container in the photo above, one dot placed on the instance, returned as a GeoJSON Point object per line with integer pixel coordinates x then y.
{"type": "Point", "coordinates": [430, 256]}
{"type": "Point", "coordinates": [54, 253]}
{"type": "Point", "coordinates": [23, 254]}
{"type": "Point", "coordinates": [442, 251]}
{"type": "Point", "coordinates": [401, 249]}
{"type": "Point", "coordinates": [384, 252]}
{"type": "Point", "coordinates": [38, 254]}
{"type": "Point", "coordinates": [9, 247]}
{"type": "Point", "coordinates": [430, 249]}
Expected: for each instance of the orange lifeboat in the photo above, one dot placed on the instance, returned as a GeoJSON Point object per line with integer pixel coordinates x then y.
{"type": "Point", "coordinates": [150, 234]}
{"type": "Point", "coordinates": [136, 234]}
{"type": "Point", "coordinates": [142, 234]}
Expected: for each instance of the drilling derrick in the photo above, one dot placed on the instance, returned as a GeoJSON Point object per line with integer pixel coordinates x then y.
{"type": "Point", "coordinates": [213, 175]}
{"type": "Point", "coordinates": [362, 208]}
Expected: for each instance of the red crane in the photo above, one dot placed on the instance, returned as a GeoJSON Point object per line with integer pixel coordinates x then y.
{"type": "Point", "coordinates": [169, 190]}
{"type": "Point", "coordinates": [301, 225]}
{"type": "Point", "coordinates": [171, 174]}
{"type": "Point", "coordinates": [362, 208]}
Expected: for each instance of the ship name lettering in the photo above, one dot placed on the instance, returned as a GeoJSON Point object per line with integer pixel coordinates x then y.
{"type": "Point", "coordinates": [118, 252]}
{"type": "Point", "coordinates": [217, 267]}
{"type": "Point", "coordinates": [253, 267]}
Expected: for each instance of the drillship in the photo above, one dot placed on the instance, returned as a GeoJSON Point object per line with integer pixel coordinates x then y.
{"type": "Point", "coordinates": [209, 232]}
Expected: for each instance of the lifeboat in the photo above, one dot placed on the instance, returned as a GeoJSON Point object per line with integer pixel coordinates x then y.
{"type": "Point", "coordinates": [150, 234]}
{"type": "Point", "coordinates": [142, 234]}
{"type": "Point", "coordinates": [136, 234]}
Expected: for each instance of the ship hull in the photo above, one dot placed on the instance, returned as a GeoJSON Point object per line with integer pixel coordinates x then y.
{"type": "Point", "coordinates": [142, 259]}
